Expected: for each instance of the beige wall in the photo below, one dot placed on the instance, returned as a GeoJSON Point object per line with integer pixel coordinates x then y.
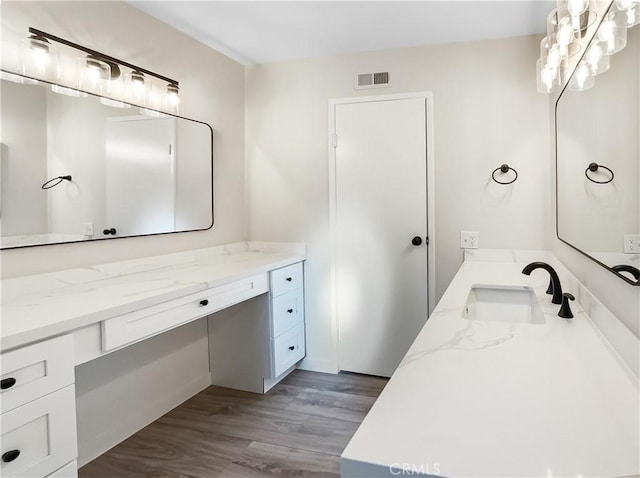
{"type": "Point", "coordinates": [486, 112]}
{"type": "Point", "coordinates": [211, 88]}
{"type": "Point", "coordinates": [142, 382]}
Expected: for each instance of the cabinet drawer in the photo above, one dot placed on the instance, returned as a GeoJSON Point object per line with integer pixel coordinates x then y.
{"type": "Point", "coordinates": [138, 325]}
{"type": "Point", "coordinates": [288, 348]}
{"type": "Point", "coordinates": [40, 437]}
{"type": "Point", "coordinates": [35, 370]}
{"type": "Point", "coordinates": [286, 279]}
{"type": "Point", "coordinates": [287, 311]}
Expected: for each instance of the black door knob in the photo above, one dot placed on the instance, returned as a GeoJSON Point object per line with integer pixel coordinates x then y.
{"type": "Point", "coordinates": [291, 347]}
{"type": "Point", "coordinates": [204, 302]}
{"type": "Point", "coordinates": [9, 456]}
{"type": "Point", "coordinates": [111, 231]}
{"type": "Point", "coordinates": [7, 383]}
{"type": "Point", "coordinates": [289, 279]}
{"type": "Point", "coordinates": [416, 241]}
{"type": "Point", "coordinates": [290, 311]}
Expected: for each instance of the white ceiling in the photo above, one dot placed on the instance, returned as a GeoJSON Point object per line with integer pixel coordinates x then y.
{"type": "Point", "coordinates": [254, 32]}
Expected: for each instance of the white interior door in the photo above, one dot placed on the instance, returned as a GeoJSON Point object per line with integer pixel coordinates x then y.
{"type": "Point", "coordinates": [140, 175]}
{"type": "Point", "coordinates": [381, 205]}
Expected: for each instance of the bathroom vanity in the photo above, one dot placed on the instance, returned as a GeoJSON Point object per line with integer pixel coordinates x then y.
{"type": "Point", "coordinates": [54, 322]}
{"type": "Point", "coordinates": [506, 394]}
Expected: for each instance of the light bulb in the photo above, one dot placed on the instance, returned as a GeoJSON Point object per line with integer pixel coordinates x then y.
{"type": "Point", "coordinates": [582, 78]}
{"type": "Point", "coordinates": [577, 7]}
{"type": "Point", "coordinates": [625, 4]}
{"type": "Point", "coordinates": [565, 32]}
{"type": "Point", "coordinates": [633, 16]}
{"type": "Point", "coordinates": [547, 76]}
{"type": "Point", "coordinates": [554, 57]}
{"type": "Point", "coordinates": [607, 31]}
{"type": "Point", "coordinates": [596, 59]}
{"type": "Point", "coordinates": [582, 73]}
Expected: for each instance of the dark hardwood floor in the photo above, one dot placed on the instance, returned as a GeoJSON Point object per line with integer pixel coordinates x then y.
{"type": "Point", "coordinates": [297, 429]}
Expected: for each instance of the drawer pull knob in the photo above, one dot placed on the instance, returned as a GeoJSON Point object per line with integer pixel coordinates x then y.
{"type": "Point", "coordinates": [204, 302]}
{"type": "Point", "coordinates": [9, 456]}
{"type": "Point", "coordinates": [291, 347]}
{"type": "Point", "coordinates": [7, 383]}
{"type": "Point", "coordinates": [289, 279]}
{"type": "Point", "coordinates": [290, 311]}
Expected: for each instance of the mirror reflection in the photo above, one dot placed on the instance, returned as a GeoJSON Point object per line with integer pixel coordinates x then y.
{"type": "Point", "coordinates": [598, 165]}
{"type": "Point", "coordinates": [75, 169]}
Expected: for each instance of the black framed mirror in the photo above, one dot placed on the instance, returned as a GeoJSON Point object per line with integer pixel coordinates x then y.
{"type": "Point", "coordinates": [598, 163]}
{"type": "Point", "coordinates": [76, 169]}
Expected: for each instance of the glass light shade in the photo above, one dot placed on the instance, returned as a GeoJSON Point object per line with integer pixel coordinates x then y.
{"type": "Point", "coordinates": [625, 4]}
{"type": "Point", "coordinates": [596, 58]}
{"type": "Point", "coordinates": [152, 113]}
{"type": "Point", "coordinates": [582, 79]}
{"type": "Point", "coordinates": [172, 102]}
{"type": "Point", "coordinates": [39, 58]}
{"type": "Point", "coordinates": [94, 75]}
{"type": "Point", "coordinates": [548, 78]}
{"type": "Point", "coordinates": [138, 88]}
{"type": "Point", "coordinates": [5, 75]}
{"type": "Point", "coordinates": [114, 103]}
{"type": "Point", "coordinates": [63, 90]}
{"type": "Point", "coordinates": [612, 32]}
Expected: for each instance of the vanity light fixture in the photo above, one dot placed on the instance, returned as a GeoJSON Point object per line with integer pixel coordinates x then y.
{"type": "Point", "coordinates": [96, 73]}
{"type": "Point", "coordinates": [566, 25]}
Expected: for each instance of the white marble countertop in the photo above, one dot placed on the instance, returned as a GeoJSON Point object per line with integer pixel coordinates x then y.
{"type": "Point", "coordinates": [40, 306]}
{"type": "Point", "coordinates": [495, 399]}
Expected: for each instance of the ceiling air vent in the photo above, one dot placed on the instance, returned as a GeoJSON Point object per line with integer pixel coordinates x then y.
{"type": "Point", "coordinates": [372, 80]}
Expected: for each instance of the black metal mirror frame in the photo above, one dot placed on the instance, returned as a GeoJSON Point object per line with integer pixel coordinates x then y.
{"type": "Point", "coordinates": [555, 125]}
{"type": "Point", "coordinates": [135, 235]}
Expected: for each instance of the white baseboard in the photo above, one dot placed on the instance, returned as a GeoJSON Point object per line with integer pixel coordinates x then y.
{"type": "Point", "coordinates": [318, 365]}
{"type": "Point", "coordinates": [138, 419]}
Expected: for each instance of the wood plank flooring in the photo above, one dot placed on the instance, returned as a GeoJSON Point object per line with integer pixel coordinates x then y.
{"type": "Point", "coordinates": [297, 429]}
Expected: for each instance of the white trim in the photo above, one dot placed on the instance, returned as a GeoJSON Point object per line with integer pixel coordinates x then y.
{"type": "Point", "coordinates": [431, 250]}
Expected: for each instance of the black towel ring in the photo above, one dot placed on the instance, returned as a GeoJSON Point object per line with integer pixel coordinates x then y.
{"type": "Point", "coordinates": [593, 167]}
{"type": "Point", "coordinates": [504, 169]}
{"type": "Point", "coordinates": [51, 184]}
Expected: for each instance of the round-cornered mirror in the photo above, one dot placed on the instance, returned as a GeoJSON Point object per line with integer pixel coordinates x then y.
{"type": "Point", "coordinates": [598, 159]}
{"type": "Point", "coordinates": [77, 169]}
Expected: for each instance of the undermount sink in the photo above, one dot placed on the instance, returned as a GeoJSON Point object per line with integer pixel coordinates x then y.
{"type": "Point", "coordinates": [502, 303]}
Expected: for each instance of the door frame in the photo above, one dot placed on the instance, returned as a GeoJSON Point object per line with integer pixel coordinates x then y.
{"type": "Point", "coordinates": [431, 248]}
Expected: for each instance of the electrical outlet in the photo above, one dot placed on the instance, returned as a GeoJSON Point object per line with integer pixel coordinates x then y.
{"type": "Point", "coordinates": [469, 239]}
{"type": "Point", "coordinates": [88, 229]}
{"type": "Point", "coordinates": [632, 243]}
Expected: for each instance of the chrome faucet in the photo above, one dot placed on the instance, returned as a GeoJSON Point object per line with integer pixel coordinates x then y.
{"type": "Point", "coordinates": [554, 286]}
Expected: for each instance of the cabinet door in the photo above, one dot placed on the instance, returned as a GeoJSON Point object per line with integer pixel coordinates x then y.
{"type": "Point", "coordinates": [40, 437]}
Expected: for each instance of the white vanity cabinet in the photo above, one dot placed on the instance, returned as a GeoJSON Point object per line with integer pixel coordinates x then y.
{"type": "Point", "coordinates": [252, 295]}
{"type": "Point", "coordinates": [286, 324]}
{"type": "Point", "coordinates": [38, 419]}
{"type": "Point", "coordinates": [255, 344]}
